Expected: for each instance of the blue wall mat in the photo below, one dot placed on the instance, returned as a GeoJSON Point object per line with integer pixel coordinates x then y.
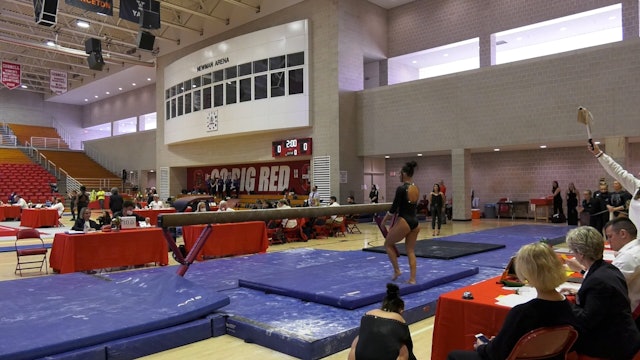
{"type": "Point", "coordinates": [75, 310]}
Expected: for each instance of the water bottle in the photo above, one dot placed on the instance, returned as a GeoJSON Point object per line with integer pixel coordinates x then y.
{"type": "Point", "coordinates": [86, 227]}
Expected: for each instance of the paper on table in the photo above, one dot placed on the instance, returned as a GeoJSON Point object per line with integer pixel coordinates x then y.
{"type": "Point", "coordinates": [524, 294]}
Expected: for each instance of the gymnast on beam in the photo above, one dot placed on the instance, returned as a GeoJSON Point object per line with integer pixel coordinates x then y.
{"type": "Point", "coordinates": [405, 225]}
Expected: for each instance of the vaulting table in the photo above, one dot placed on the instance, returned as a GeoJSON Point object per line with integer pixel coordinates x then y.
{"type": "Point", "coordinates": [36, 218]}
{"type": "Point", "coordinates": [513, 206]}
{"type": "Point", "coordinates": [97, 250]}
{"type": "Point", "coordinates": [228, 239]}
{"type": "Point", "coordinates": [153, 214]}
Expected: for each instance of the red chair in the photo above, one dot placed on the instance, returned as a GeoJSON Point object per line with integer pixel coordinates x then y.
{"type": "Point", "coordinates": [544, 343]}
{"type": "Point", "coordinates": [30, 256]}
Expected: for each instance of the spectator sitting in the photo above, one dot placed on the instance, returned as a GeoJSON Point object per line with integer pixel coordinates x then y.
{"type": "Point", "coordinates": [84, 217]}
{"type": "Point", "coordinates": [19, 201]}
{"type": "Point", "coordinates": [334, 219]}
{"type": "Point", "coordinates": [286, 223]}
{"type": "Point", "coordinates": [104, 219]}
{"type": "Point", "coordinates": [156, 204]}
{"type": "Point", "coordinates": [58, 205]}
{"type": "Point", "coordinates": [127, 210]}
{"type": "Point", "coordinates": [202, 207]}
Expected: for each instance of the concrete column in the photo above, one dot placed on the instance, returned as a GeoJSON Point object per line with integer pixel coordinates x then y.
{"type": "Point", "coordinates": [630, 19]}
{"type": "Point", "coordinates": [383, 72]}
{"type": "Point", "coordinates": [460, 174]}
{"type": "Point", "coordinates": [487, 50]}
{"type": "Point", "coordinates": [616, 147]}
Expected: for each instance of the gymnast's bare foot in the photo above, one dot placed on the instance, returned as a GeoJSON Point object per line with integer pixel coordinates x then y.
{"type": "Point", "coordinates": [411, 281]}
{"type": "Point", "coordinates": [396, 275]}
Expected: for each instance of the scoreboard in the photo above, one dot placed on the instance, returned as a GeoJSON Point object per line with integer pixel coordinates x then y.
{"type": "Point", "coordinates": [291, 147]}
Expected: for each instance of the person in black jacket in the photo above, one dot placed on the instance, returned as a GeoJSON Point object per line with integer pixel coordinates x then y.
{"type": "Point", "coordinates": [604, 322]}
{"type": "Point", "coordinates": [85, 217]}
{"type": "Point", "coordinates": [115, 201]}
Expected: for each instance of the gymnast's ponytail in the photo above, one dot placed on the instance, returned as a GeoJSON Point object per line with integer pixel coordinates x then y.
{"type": "Point", "coordinates": [408, 168]}
{"type": "Point", "coordinates": [392, 302]}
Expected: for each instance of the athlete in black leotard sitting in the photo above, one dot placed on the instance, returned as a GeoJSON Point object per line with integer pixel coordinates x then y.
{"type": "Point", "coordinates": [406, 224]}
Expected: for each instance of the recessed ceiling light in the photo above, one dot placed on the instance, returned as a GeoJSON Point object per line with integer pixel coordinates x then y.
{"type": "Point", "coordinates": [496, 149]}
{"type": "Point", "coordinates": [419, 154]}
{"type": "Point", "coordinates": [23, 86]}
{"type": "Point", "coordinates": [120, 88]}
{"type": "Point", "coordinates": [86, 100]}
{"type": "Point", "coordinates": [107, 93]}
{"type": "Point", "coordinates": [148, 79]}
{"type": "Point", "coordinates": [543, 146]}
{"type": "Point", "coordinates": [82, 24]}
{"type": "Point", "coordinates": [386, 156]}
{"type": "Point", "coordinates": [50, 43]}
{"type": "Point", "coordinates": [134, 84]}
{"type": "Point", "coordinates": [95, 96]}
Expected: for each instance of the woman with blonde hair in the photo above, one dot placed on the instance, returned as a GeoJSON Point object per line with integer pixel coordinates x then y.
{"type": "Point", "coordinates": [538, 265]}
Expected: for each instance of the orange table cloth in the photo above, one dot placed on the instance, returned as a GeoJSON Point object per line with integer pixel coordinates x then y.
{"type": "Point", "coordinates": [36, 218]}
{"type": "Point", "coordinates": [228, 239]}
{"type": "Point", "coordinates": [97, 250]}
{"type": "Point", "coordinates": [153, 214]}
{"type": "Point", "coordinates": [9, 212]}
{"type": "Point", "coordinates": [458, 320]}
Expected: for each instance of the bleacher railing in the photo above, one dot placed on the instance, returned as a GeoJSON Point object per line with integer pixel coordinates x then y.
{"type": "Point", "coordinates": [48, 143]}
{"type": "Point", "coordinates": [8, 140]}
{"type": "Point", "coordinates": [103, 159]}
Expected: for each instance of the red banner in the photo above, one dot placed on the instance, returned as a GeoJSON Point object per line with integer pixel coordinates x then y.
{"type": "Point", "coordinates": [11, 77]}
{"type": "Point", "coordinates": [265, 178]}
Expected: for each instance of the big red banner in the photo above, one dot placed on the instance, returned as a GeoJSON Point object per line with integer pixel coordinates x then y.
{"type": "Point", "coordinates": [266, 178]}
{"type": "Point", "coordinates": [11, 76]}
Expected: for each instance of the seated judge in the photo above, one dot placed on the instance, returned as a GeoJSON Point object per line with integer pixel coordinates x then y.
{"type": "Point", "coordinates": [85, 218]}
{"type": "Point", "coordinates": [539, 265]}
{"type": "Point", "coordinates": [127, 210]}
{"type": "Point", "coordinates": [156, 204]}
{"type": "Point", "coordinates": [58, 205]}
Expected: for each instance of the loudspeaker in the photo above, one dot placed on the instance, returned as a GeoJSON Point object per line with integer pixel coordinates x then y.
{"type": "Point", "coordinates": [45, 11]}
{"type": "Point", "coordinates": [146, 40]}
{"type": "Point", "coordinates": [149, 19]}
{"type": "Point", "coordinates": [92, 45]}
{"type": "Point", "coordinates": [95, 60]}
{"type": "Point", "coordinates": [153, 6]}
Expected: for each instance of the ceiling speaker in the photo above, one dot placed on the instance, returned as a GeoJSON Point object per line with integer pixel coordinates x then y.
{"type": "Point", "coordinates": [45, 11]}
{"type": "Point", "coordinates": [92, 45]}
{"type": "Point", "coordinates": [95, 60]}
{"type": "Point", "coordinates": [146, 40]}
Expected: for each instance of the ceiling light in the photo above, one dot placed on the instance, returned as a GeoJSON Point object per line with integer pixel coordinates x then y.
{"type": "Point", "coordinates": [414, 62]}
{"type": "Point", "coordinates": [95, 96]}
{"type": "Point", "coordinates": [120, 88]}
{"type": "Point", "coordinates": [107, 93]}
{"type": "Point", "coordinates": [86, 100]}
{"type": "Point", "coordinates": [23, 86]}
{"type": "Point", "coordinates": [50, 43]}
{"type": "Point", "coordinates": [387, 156]}
{"type": "Point", "coordinates": [597, 142]}
{"type": "Point", "coordinates": [543, 146]}
{"type": "Point", "coordinates": [134, 84]}
{"type": "Point", "coordinates": [496, 149]}
{"type": "Point", "coordinates": [419, 154]}
{"type": "Point", "coordinates": [148, 79]}
{"type": "Point", "coordinates": [82, 24]}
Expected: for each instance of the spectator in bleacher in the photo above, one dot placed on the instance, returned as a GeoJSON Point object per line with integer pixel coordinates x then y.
{"type": "Point", "coordinates": [224, 206]}
{"type": "Point", "coordinates": [115, 201]}
{"type": "Point", "coordinates": [100, 196]}
{"type": "Point", "coordinates": [82, 200]}
{"type": "Point", "coordinates": [72, 203]}
{"type": "Point", "coordinates": [58, 205]}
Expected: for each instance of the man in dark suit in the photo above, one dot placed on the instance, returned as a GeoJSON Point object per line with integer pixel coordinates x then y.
{"type": "Point", "coordinates": [603, 313]}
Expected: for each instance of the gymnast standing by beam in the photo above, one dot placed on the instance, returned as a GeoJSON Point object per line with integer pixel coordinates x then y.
{"type": "Point", "coordinates": [405, 225]}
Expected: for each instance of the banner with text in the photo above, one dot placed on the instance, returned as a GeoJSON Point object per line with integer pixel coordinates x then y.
{"type": "Point", "coordinates": [264, 178]}
{"type": "Point", "coordinates": [58, 81]}
{"type": "Point", "coordinates": [130, 9]}
{"type": "Point", "coordinates": [11, 76]}
{"type": "Point", "coordinates": [104, 7]}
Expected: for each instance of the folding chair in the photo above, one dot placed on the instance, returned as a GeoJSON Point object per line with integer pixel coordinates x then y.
{"type": "Point", "coordinates": [544, 343]}
{"type": "Point", "coordinates": [352, 224]}
{"type": "Point", "coordinates": [30, 256]}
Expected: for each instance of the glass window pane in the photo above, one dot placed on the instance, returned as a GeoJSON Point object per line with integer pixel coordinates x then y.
{"type": "Point", "coordinates": [173, 108]}
{"type": "Point", "coordinates": [173, 91]}
{"type": "Point", "coordinates": [260, 66]}
{"type": "Point", "coordinates": [187, 85]}
{"type": "Point", "coordinates": [180, 106]}
{"type": "Point", "coordinates": [296, 82]}
{"type": "Point", "coordinates": [187, 103]}
{"type": "Point", "coordinates": [231, 92]}
{"type": "Point", "coordinates": [218, 95]}
{"type": "Point", "coordinates": [206, 79]}
{"type": "Point", "coordinates": [147, 122]}
{"type": "Point", "coordinates": [260, 87]}
{"type": "Point", "coordinates": [167, 111]}
{"type": "Point", "coordinates": [244, 69]}
{"type": "Point", "coordinates": [97, 132]}
{"type": "Point", "coordinates": [196, 100]}
{"type": "Point", "coordinates": [276, 62]}
{"type": "Point", "coordinates": [195, 82]}
{"type": "Point", "coordinates": [206, 98]}
{"type": "Point", "coordinates": [218, 76]}
{"type": "Point", "coordinates": [277, 84]}
{"type": "Point", "coordinates": [245, 90]}
{"type": "Point", "coordinates": [167, 94]}
{"type": "Point", "coordinates": [125, 126]}
{"type": "Point", "coordinates": [295, 59]}
{"type": "Point", "coordinates": [230, 72]}
{"type": "Point", "coordinates": [179, 88]}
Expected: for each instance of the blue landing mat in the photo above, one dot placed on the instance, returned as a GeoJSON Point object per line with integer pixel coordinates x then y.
{"type": "Point", "coordinates": [52, 315]}
{"type": "Point", "coordinates": [445, 249]}
{"type": "Point", "coordinates": [357, 280]}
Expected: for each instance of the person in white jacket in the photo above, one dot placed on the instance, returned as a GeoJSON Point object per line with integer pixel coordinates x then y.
{"type": "Point", "coordinates": [625, 178]}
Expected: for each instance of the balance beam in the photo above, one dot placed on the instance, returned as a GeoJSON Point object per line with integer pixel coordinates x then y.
{"type": "Point", "coordinates": [182, 219]}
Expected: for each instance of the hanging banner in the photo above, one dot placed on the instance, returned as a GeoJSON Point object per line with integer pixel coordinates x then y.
{"type": "Point", "coordinates": [58, 81]}
{"type": "Point", "coordinates": [130, 9]}
{"type": "Point", "coordinates": [11, 75]}
{"type": "Point", "coordinates": [104, 7]}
